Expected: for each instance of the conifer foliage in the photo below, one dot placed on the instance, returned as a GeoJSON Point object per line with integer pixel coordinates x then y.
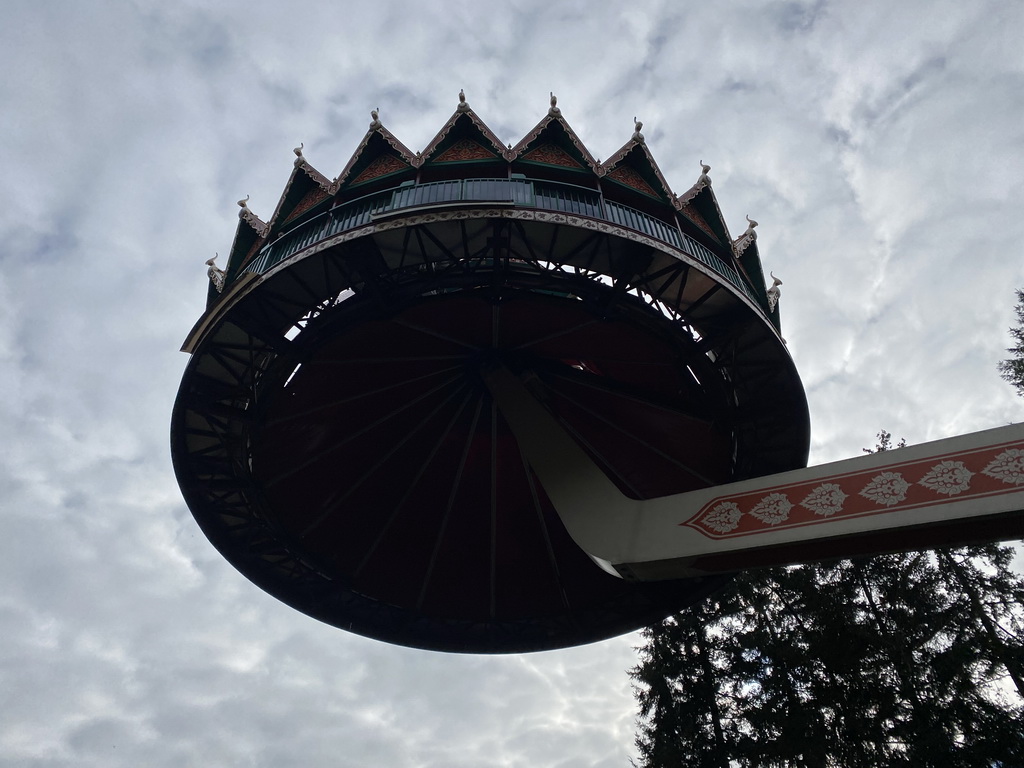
{"type": "Point", "coordinates": [912, 659]}
{"type": "Point", "coordinates": [1012, 369]}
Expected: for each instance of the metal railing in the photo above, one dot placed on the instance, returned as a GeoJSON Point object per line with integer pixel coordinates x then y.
{"type": "Point", "coordinates": [527, 193]}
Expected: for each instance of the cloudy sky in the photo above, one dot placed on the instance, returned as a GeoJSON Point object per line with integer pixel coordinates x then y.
{"type": "Point", "coordinates": [880, 145]}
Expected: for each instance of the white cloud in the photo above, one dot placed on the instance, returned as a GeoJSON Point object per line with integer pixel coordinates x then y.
{"type": "Point", "coordinates": [878, 144]}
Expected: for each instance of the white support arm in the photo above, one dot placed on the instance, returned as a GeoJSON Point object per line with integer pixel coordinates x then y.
{"type": "Point", "coordinates": [955, 491]}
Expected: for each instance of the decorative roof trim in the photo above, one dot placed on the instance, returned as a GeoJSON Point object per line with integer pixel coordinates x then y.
{"type": "Point", "coordinates": [703, 188]}
{"type": "Point", "coordinates": [301, 166]}
{"type": "Point", "coordinates": [703, 181]}
{"type": "Point", "coordinates": [306, 203]}
{"type": "Point", "coordinates": [250, 218]}
{"type": "Point", "coordinates": [550, 153]}
{"type": "Point", "coordinates": [463, 109]}
{"type": "Point", "coordinates": [694, 216]}
{"type": "Point", "coordinates": [463, 150]}
{"type": "Point", "coordinates": [744, 241]}
{"type": "Point", "coordinates": [300, 162]}
{"type": "Point", "coordinates": [554, 115]}
{"type": "Point", "coordinates": [628, 175]}
{"type": "Point", "coordinates": [376, 127]}
{"type": "Point", "coordinates": [637, 140]}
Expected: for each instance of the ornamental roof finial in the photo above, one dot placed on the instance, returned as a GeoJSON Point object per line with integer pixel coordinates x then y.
{"type": "Point", "coordinates": [463, 104]}
{"type": "Point", "coordinates": [553, 110]}
{"type": "Point", "coordinates": [215, 273]}
{"type": "Point", "coordinates": [774, 293]}
{"type": "Point", "coordinates": [745, 240]}
{"type": "Point", "coordinates": [243, 204]}
{"type": "Point", "coordinates": [299, 159]}
{"type": "Point", "coordinates": [704, 170]}
{"type": "Point", "coordinates": [637, 125]}
{"type": "Point", "coordinates": [375, 115]}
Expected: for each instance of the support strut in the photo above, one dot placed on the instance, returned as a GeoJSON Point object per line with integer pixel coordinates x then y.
{"type": "Point", "coordinates": [956, 491]}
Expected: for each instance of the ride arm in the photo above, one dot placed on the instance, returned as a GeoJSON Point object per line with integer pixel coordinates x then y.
{"type": "Point", "coordinates": [955, 491]}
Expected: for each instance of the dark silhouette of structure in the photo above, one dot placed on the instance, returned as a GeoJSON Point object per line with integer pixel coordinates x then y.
{"type": "Point", "coordinates": [333, 435]}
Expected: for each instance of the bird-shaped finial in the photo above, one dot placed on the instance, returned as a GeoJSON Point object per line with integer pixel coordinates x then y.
{"type": "Point", "coordinates": [637, 125]}
{"type": "Point", "coordinates": [375, 115]}
{"type": "Point", "coordinates": [553, 110]}
{"type": "Point", "coordinates": [215, 274]}
{"type": "Point", "coordinates": [299, 159]}
{"type": "Point", "coordinates": [463, 104]}
{"type": "Point", "coordinates": [750, 224]}
{"type": "Point", "coordinates": [774, 293]}
{"type": "Point", "coordinates": [704, 178]}
{"type": "Point", "coordinates": [243, 204]}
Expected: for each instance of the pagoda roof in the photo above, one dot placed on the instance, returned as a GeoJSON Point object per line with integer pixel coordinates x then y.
{"type": "Point", "coordinates": [699, 205]}
{"type": "Point", "coordinates": [306, 188]}
{"type": "Point", "coordinates": [466, 128]}
{"type": "Point", "coordinates": [553, 129]}
{"type": "Point", "coordinates": [748, 256]}
{"type": "Point", "coordinates": [634, 166]}
{"type": "Point", "coordinates": [378, 143]}
{"type": "Point", "coordinates": [465, 137]}
{"type": "Point", "coordinates": [249, 237]}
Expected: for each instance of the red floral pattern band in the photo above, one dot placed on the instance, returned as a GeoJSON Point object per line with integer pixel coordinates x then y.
{"type": "Point", "coordinates": [988, 471]}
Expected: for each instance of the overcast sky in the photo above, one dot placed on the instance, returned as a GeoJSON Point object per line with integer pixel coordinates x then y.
{"type": "Point", "coordinates": [880, 145]}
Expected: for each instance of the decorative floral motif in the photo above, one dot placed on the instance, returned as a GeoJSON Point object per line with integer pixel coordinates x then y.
{"type": "Point", "coordinates": [464, 149]}
{"type": "Point", "coordinates": [723, 518]}
{"type": "Point", "coordinates": [552, 155]}
{"type": "Point", "coordinates": [984, 471]}
{"type": "Point", "coordinates": [313, 198]}
{"type": "Point", "coordinates": [381, 166]}
{"type": "Point", "coordinates": [772, 509]}
{"type": "Point", "coordinates": [948, 477]}
{"type": "Point", "coordinates": [691, 213]}
{"type": "Point", "coordinates": [825, 500]}
{"type": "Point", "coordinates": [1008, 466]}
{"type": "Point", "coordinates": [626, 175]}
{"type": "Point", "coordinates": [888, 489]}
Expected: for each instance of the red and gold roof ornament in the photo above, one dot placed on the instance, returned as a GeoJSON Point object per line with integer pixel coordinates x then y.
{"type": "Point", "coordinates": [466, 147]}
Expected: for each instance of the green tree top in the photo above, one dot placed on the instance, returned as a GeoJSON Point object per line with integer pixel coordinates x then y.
{"type": "Point", "coordinates": [1012, 369]}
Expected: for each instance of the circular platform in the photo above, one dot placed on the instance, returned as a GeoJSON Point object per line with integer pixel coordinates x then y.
{"type": "Point", "coordinates": [335, 441]}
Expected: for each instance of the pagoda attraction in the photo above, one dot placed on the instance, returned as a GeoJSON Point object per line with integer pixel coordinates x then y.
{"type": "Point", "coordinates": [341, 433]}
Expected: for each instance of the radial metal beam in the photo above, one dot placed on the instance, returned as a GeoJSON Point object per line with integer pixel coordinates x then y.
{"type": "Point", "coordinates": [960, 490]}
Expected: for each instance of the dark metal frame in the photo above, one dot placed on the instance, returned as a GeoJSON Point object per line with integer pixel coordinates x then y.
{"type": "Point", "coordinates": [264, 331]}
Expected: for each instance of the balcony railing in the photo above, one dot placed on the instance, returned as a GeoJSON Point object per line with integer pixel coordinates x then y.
{"type": "Point", "coordinates": [526, 193]}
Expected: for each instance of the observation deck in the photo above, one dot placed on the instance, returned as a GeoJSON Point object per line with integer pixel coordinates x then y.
{"type": "Point", "coordinates": [587, 207]}
{"type": "Point", "coordinates": [333, 434]}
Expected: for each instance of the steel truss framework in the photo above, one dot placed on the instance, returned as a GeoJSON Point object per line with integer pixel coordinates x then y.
{"type": "Point", "coordinates": [257, 484]}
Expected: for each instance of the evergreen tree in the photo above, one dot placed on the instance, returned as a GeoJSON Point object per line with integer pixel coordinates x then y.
{"type": "Point", "coordinates": [899, 660]}
{"type": "Point", "coordinates": [1013, 369]}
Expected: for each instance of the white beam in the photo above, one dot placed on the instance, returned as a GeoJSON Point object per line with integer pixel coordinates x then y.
{"type": "Point", "coordinates": [954, 491]}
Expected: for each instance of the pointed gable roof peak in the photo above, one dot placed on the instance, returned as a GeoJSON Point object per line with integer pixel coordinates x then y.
{"type": "Point", "coordinates": [251, 218]}
{"type": "Point", "coordinates": [379, 141]}
{"type": "Point", "coordinates": [555, 130]}
{"type": "Point", "coordinates": [305, 188]}
{"type": "Point", "coordinates": [703, 181]}
{"type": "Point", "coordinates": [700, 200]}
{"type": "Point", "coordinates": [634, 165]}
{"type": "Point", "coordinates": [463, 124]}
